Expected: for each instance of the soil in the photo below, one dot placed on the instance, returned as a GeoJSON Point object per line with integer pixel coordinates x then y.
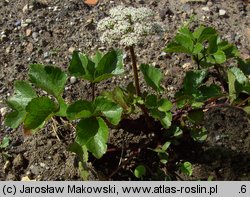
{"type": "Point", "coordinates": [47, 31]}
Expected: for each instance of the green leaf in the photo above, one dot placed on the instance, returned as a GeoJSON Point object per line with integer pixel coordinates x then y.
{"type": "Point", "coordinates": [244, 66]}
{"type": "Point", "coordinates": [151, 101]}
{"type": "Point", "coordinates": [213, 47]}
{"type": "Point", "coordinates": [152, 76]}
{"type": "Point", "coordinates": [211, 91]}
{"type": "Point", "coordinates": [38, 110]}
{"type": "Point", "coordinates": [93, 132]}
{"type": "Point", "coordinates": [229, 50]}
{"type": "Point", "coordinates": [199, 135]}
{"type": "Point", "coordinates": [219, 57]}
{"type": "Point", "coordinates": [247, 109]}
{"type": "Point", "coordinates": [140, 171]}
{"type": "Point", "coordinates": [23, 94]}
{"type": "Point", "coordinates": [163, 117]}
{"type": "Point", "coordinates": [198, 31]}
{"type": "Point", "coordinates": [193, 80]}
{"type": "Point", "coordinates": [197, 48]}
{"type": "Point", "coordinates": [239, 75]}
{"type": "Point", "coordinates": [63, 107]}
{"type": "Point", "coordinates": [109, 109]}
{"type": "Point", "coordinates": [231, 86]}
{"type": "Point", "coordinates": [49, 78]}
{"type": "Point", "coordinates": [82, 66]}
{"type": "Point", "coordinates": [186, 168]}
{"type": "Point", "coordinates": [166, 146]}
{"type": "Point", "coordinates": [196, 116]}
{"type": "Point", "coordinates": [86, 129]}
{"type": "Point", "coordinates": [164, 105]}
{"type": "Point", "coordinates": [118, 96]}
{"type": "Point", "coordinates": [174, 47]}
{"type": "Point", "coordinates": [80, 109]}
{"type": "Point", "coordinates": [76, 148]}
{"type": "Point", "coordinates": [109, 65]}
{"type": "Point", "coordinates": [186, 42]}
{"type": "Point", "coordinates": [206, 34]}
{"type": "Point", "coordinates": [5, 142]}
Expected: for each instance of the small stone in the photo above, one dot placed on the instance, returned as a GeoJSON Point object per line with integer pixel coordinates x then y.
{"type": "Point", "coordinates": [42, 165]}
{"type": "Point", "coordinates": [206, 9]}
{"type": "Point", "coordinates": [209, 3]}
{"type": "Point", "coordinates": [72, 79]}
{"type": "Point", "coordinates": [46, 54]}
{"type": "Point", "coordinates": [3, 37]}
{"type": "Point", "coordinates": [8, 49]}
{"type": "Point", "coordinates": [25, 8]}
{"type": "Point", "coordinates": [28, 20]}
{"type": "Point", "coordinates": [34, 35]}
{"type": "Point", "coordinates": [3, 111]}
{"type": "Point", "coordinates": [29, 48]}
{"type": "Point", "coordinates": [71, 49]}
{"type": "Point", "coordinates": [18, 161]}
{"type": "Point", "coordinates": [18, 23]}
{"type": "Point", "coordinates": [162, 55]}
{"type": "Point", "coordinates": [222, 12]}
{"type": "Point", "coordinates": [187, 66]}
{"type": "Point", "coordinates": [28, 32]}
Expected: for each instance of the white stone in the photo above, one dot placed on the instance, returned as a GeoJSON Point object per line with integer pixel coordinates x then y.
{"type": "Point", "coordinates": [3, 111]}
{"type": "Point", "coordinates": [25, 8]}
{"type": "Point", "coordinates": [72, 79]}
{"type": "Point", "coordinates": [206, 9]}
{"type": "Point", "coordinates": [222, 12]}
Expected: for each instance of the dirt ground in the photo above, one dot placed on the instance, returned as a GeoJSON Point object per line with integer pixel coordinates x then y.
{"type": "Point", "coordinates": [48, 31]}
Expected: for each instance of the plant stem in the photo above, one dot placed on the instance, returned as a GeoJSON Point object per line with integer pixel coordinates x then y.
{"type": "Point", "coordinates": [134, 66]}
{"type": "Point", "coordinates": [93, 90]}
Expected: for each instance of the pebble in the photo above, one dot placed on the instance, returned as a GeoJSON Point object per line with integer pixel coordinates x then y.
{"type": "Point", "coordinates": [206, 9]}
{"type": "Point", "coordinates": [42, 165]}
{"type": "Point", "coordinates": [46, 54]}
{"type": "Point", "coordinates": [72, 79]}
{"type": "Point", "coordinates": [3, 111]}
{"type": "Point", "coordinates": [18, 23]}
{"type": "Point", "coordinates": [28, 32]}
{"type": "Point", "coordinates": [187, 66]}
{"type": "Point", "coordinates": [29, 48]}
{"type": "Point", "coordinates": [71, 49]}
{"type": "Point", "coordinates": [25, 8]}
{"type": "Point", "coordinates": [222, 12]}
{"type": "Point", "coordinates": [8, 49]}
{"type": "Point", "coordinates": [34, 35]}
{"type": "Point", "coordinates": [28, 20]}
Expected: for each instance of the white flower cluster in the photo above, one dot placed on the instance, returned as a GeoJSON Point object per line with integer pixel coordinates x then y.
{"type": "Point", "coordinates": [128, 25]}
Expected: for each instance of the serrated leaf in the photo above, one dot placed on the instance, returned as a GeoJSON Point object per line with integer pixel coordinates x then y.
{"type": "Point", "coordinates": [193, 80]}
{"type": "Point", "coordinates": [185, 41]}
{"type": "Point", "coordinates": [38, 110]}
{"type": "Point", "coordinates": [80, 109]}
{"type": "Point", "coordinates": [229, 50]}
{"type": "Point", "coordinates": [174, 47]}
{"type": "Point", "coordinates": [23, 94]}
{"type": "Point", "coordinates": [198, 31]}
{"type": "Point", "coordinates": [49, 78]}
{"type": "Point", "coordinates": [109, 65]}
{"type": "Point", "coordinates": [152, 76]}
{"type": "Point", "coordinates": [219, 57]}
{"type": "Point", "coordinates": [82, 66]}
{"type": "Point", "coordinates": [206, 34]}
{"type": "Point", "coordinates": [109, 109]}
{"type": "Point", "coordinates": [140, 171]}
{"type": "Point", "coordinates": [97, 145]}
{"type": "Point", "coordinates": [198, 47]}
